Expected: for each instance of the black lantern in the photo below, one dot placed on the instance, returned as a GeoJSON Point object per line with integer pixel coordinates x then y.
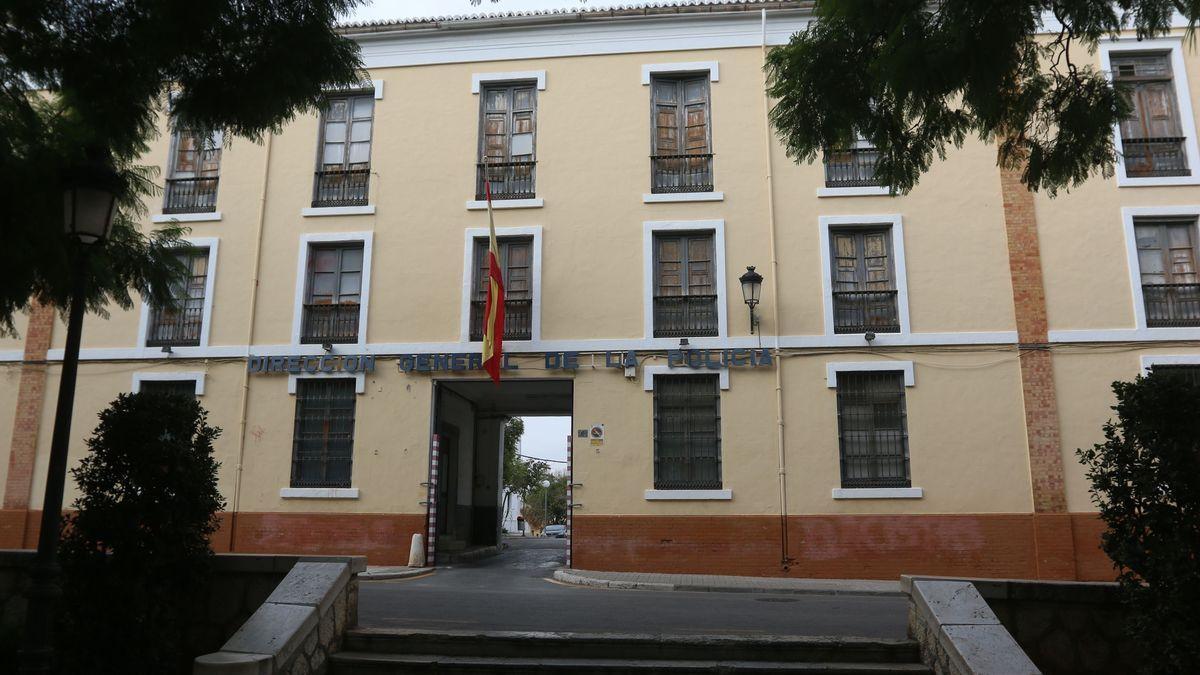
{"type": "Point", "coordinates": [89, 200]}
{"type": "Point", "coordinates": [751, 287]}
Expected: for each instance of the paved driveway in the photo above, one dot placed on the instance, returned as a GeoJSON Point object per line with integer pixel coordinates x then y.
{"type": "Point", "coordinates": [512, 592]}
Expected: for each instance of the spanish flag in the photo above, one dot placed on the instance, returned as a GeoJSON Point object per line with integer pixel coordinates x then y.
{"type": "Point", "coordinates": [493, 313]}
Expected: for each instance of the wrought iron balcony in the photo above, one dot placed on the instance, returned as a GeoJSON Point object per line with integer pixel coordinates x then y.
{"type": "Point", "coordinates": [518, 319]}
{"type": "Point", "coordinates": [175, 327]}
{"type": "Point", "coordinates": [1172, 305]}
{"type": "Point", "coordinates": [863, 311]}
{"type": "Point", "coordinates": [191, 195]}
{"type": "Point", "coordinates": [852, 167]}
{"type": "Point", "coordinates": [681, 173]}
{"type": "Point", "coordinates": [510, 180]}
{"type": "Point", "coordinates": [1146, 157]}
{"type": "Point", "coordinates": [333, 324]}
{"type": "Point", "coordinates": [341, 187]}
{"type": "Point", "coordinates": [685, 316]}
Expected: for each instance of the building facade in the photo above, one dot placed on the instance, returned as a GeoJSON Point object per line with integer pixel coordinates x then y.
{"type": "Point", "coordinates": [920, 370]}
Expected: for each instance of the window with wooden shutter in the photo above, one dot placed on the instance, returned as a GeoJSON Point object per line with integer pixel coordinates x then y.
{"type": "Point", "coordinates": [687, 432]}
{"type": "Point", "coordinates": [864, 283]}
{"type": "Point", "coordinates": [516, 264]}
{"type": "Point", "coordinates": [193, 172]}
{"type": "Point", "coordinates": [681, 146]}
{"type": "Point", "coordinates": [181, 324]}
{"type": "Point", "coordinates": [347, 126]}
{"type": "Point", "coordinates": [872, 429]}
{"type": "Point", "coordinates": [1167, 264]}
{"type": "Point", "coordinates": [1152, 138]}
{"type": "Point", "coordinates": [333, 294]}
{"type": "Point", "coordinates": [685, 296]}
{"type": "Point", "coordinates": [507, 140]}
{"type": "Point", "coordinates": [323, 440]}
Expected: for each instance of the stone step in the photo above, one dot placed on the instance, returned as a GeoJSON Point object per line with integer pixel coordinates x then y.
{"type": "Point", "coordinates": [546, 645]}
{"type": "Point", "coordinates": [366, 663]}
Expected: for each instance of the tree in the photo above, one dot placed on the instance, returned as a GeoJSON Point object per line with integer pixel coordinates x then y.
{"type": "Point", "coordinates": [1146, 484]}
{"type": "Point", "coordinates": [521, 475]}
{"type": "Point", "coordinates": [913, 77]}
{"type": "Point", "coordinates": [546, 505]}
{"type": "Point", "coordinates": [83, 83]}
{"type": "Point", "coordinates": [135, 552]}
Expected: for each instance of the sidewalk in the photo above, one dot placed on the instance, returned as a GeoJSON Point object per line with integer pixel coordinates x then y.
{"type": "Point", "coordinates": [726, 584]}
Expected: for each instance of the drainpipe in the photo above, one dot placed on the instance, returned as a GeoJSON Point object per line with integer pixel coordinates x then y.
{"type": "Point", "coordinates": [784, 560]}
{"type": "Point", "coordinates": [252, 304]}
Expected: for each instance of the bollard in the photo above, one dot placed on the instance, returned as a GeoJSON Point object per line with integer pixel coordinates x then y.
{"type": "Point", "coordinates": [416, 553]}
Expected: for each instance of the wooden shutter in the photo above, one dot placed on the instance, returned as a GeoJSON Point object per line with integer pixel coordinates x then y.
{"type": "Point", "coordinates": [335, 275]}
{"type": "Point", "coordinates": [1152, 93]}
{"type": "Point", "coordinates": [508, 123]}
{"type": "Point", "coordinates": [862, 260]}
{"type": "Point", "coordinates": [516, 259]}
{"type": "Point", "coordinates": [346, 132]}
{"type": "Point", "coordinates": [684, 265]}
{"type": "Point", "coordinates": [1166, 252]}
{"type": "Point", "coordinates": [680, 112]}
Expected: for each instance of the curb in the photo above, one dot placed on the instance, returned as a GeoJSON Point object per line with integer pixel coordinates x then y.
{"type": "Point", "coordinates": [395, 573]}
{"type": "Point", "coordinates": [568, 577]}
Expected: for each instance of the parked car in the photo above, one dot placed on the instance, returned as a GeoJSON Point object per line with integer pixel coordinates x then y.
{"type": "Point", "coordinates": [556, 531]}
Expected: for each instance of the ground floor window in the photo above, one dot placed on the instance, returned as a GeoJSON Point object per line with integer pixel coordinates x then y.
{"type": "Point", "coordinates": [323, 443]}
{"type": "Point", "coordinates": [1187, 372]}
{"type": "Point", "coordinates": [687, 432]}
{"type": "Point", "coordinates": [872, 429]}
{"type": "Point", "coordinates": [176, 387]}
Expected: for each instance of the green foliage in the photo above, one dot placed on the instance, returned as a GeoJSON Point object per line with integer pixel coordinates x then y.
{"type": "Point", "coordinates": [135, 553]}
{"type": "Point", "coordinates": [85, 82]}
{"type": "Point", "coordinates": [1146, 483]}
{"type": "Point", "coordinates": [546, 505]}
{"type": "Point", "coordinates": [913, 77]}
{"type": "Point", "coordinates": [520, 475]}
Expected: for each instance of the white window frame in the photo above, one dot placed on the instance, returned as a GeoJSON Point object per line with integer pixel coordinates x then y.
{"type": "Point", "coordinates": [306, 243]}
{"type": "Point", "coordinates": [1129, 215]}
{"type": "Point", "coordinates": [652, 495]}
{"type": "Point", "coordinates": [480, 79]}
{"type": "Point", "coordinates": [212, 244]}
{"type": "Point", "coordinates": [652, 227]}
{"type": "Point", "coordinates": [360, 382]}
{"type": "Point", "coordinates": [873, 221]}
{"type": "Point", "coordinates": [535, 281]}
{"type": "Point", "coordinates": [1151, 360]}
{"type": "Point", "coordinates": [197, 379]}
{"type": "Point", "coordinates": [713, 68]}
{"type": "Point", "coordinates": [1174, 46]}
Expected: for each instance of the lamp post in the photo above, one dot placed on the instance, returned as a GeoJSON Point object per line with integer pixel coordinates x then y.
{"type": "Point", "coordinates": [545, 505]}
{"type": "Point", "coordinates": [751, 287]}
{"type": "Point", "coordinates": [89, 198]}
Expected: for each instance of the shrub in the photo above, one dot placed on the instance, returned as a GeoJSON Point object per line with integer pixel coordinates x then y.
{"type": "Point", "coordinates": [1146, 482]}
{"type": "Point", "coordinates": [135, 553]}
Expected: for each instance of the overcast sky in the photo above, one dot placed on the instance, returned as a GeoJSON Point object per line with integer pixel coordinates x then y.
{"type": "Point", "coordinates": [546, 437]}
{"type": "Point", "coordinates": [377, 10]}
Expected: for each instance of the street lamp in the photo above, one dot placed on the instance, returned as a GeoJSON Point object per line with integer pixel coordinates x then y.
{"type": "Point", "coordinates": [545, 505]}
{"type": "Point", "coordinates": [751, 287]}
{"type": "Point", "coordinates": [89, 200]}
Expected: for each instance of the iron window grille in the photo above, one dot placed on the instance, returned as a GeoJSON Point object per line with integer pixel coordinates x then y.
{"type": "Point", "coordinates": [685, 300]}
{"type": "Point", "coordinates": [516, 265]}
{"type": "Point", "coordinates": [872, 429]}
{"type": "Point", "coordinates": [851, 167]}
{"type": "Point", "coordinates": [687, 432]}
{"type": "Point", "coordinates": [1167, 264]}
{"type": "Point", "coordinates": [168, 388]}
{"type": "Point", "coordinates": [193, 173]}
{"type": "Point", "coordinates": [864, 292]}
{"type": "Point", "coordinates": [181, 324]}
{"type": "Point", "coordinates": [343, 173]}
{"type": "Point", "coordinates": [323, 441]}
{"type": "Point", "coordinates": [1152, 138]}
{"type": "Point", "coordinates": [333, 294]}
{"type": "Point", "coordinates": [1187, 373]}
{"type": "Point", "coordinates": [681, 157]}
{"type": "Point", "coordinates": [507, 141]}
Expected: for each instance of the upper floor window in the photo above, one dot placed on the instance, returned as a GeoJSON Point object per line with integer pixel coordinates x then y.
{"type": "Point", "coordinates": [685, 293]}
{"type": "Point", "coordinates": [687, 432]}
{"type": "Point", "coordinates": [864, 281]}
{"type": "Point", "coordinates": [516, 263]}
{"type": "Point", "coordinates": [193, 172]}
{"type": "Point", "coordinates": [1166, 251]}
{"type": "Point", "coordinates": [681, 152]}
{"type": "Point", "coordinates": [507, 141]}
{"type": "Point", "coordinates": [323, 441]}
{"type": "Point", "coordinates": [169, 387]}
{"type": "Point", "coordinates": [344, 167]}
{"type": "Point", "coordinates": [852, 167]}
{"type": "Point", "coordinates": [1189, 373]}
{"type": "Point", "coordinates": [181, 324]}
{"type": "Point", "coordinates": [333, 293]}
{"type": "Point", "coordinates": [872, 429]}
{"type": "Point", "coordinates": [1153, 138]}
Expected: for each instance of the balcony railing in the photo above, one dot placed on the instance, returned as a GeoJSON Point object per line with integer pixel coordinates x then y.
{"type": "Point", "coordinates": [854, 167]}
{"type": "Point", "coordinates": [681, 173]}
{"type": "Point", "coordinates": [1171, 305]}
{"type": "Point", "coordinates": [1146, 157]}
{"type": "Point", "coordinates": [518, 319]}
{"type": "Point", "coordinates": [333, 324]}
{"type": "Point", "coordinates": [175, 327]}
{"type": "Point", "coordinates": [341, 188]}
{"type": "Point", "coordinates": [510, 180]}
{"type": "Point", "coordinates": [191, 195]}
{"type": "Point", "coordinates": [685, 316]}
{"type": "Point", "coordinates": [865, 311]}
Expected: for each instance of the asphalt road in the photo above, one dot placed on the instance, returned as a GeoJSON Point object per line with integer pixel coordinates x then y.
{"type": "Point", "coordinates": [513, 592]}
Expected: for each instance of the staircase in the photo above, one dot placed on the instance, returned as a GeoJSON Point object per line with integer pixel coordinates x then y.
{"type": "Point", "coordinates": [377, 651]}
